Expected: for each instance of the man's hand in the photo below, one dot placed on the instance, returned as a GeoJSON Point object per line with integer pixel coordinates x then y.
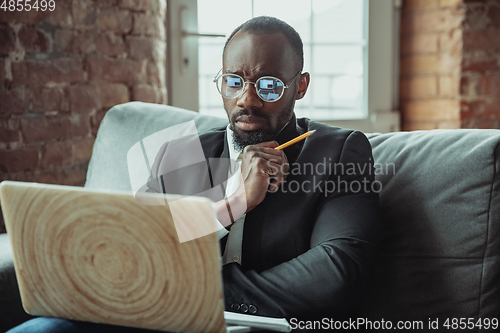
{"type": "Point", "coordinates": [262, 168]}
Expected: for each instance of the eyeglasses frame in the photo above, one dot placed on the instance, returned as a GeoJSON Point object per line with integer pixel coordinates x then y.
{"type": "Point", "coordinates": [219, 75]}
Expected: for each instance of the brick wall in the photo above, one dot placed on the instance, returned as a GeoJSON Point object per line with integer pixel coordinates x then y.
{"type": "Point", "coordinates": [431, 53]}
{"type": "Point", "coordinates": [480, 91]}
{"type": "Point", "coordinates": [450, 54]}
{"type": "Point", "coordinates": [61, 71]}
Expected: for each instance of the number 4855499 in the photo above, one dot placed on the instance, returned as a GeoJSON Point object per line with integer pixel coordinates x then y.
{"type": "Point", "coordinates": [28, 5]}
{"type": "Point", "coordinates": [471, 323]}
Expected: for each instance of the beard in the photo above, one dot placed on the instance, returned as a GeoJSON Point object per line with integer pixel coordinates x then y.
{"type": "Point", "coordinates": [248, 138]}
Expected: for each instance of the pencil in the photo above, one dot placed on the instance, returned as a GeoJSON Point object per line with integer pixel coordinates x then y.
{"type": "Point", "coordinates": [297, 139]}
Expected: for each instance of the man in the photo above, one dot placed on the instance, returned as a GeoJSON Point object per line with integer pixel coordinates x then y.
{"type": "Point", "coordinates": [307, 242]}
{"type": "Point", "coordinates": [301, 251]}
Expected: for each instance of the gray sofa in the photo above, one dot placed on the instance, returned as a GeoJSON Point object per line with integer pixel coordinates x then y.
{"type": "Point", "coordinates": [440, 253]}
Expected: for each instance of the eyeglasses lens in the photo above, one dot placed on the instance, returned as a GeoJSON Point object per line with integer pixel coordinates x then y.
{"type": "Point", "coordinates": [230, 86]}
{"type": "Point", "coordinates": [269, 89]}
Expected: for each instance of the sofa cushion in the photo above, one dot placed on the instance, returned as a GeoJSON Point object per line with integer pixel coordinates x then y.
{"type": "Point", "coordinates": [441, 239]}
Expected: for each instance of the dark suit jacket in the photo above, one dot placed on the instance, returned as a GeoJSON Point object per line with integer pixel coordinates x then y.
{"type": "Point", "coordinates": [307, 248]}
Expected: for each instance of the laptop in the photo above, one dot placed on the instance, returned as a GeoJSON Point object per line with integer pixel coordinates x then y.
{"type": "Point", "coordinates": [104, 257]}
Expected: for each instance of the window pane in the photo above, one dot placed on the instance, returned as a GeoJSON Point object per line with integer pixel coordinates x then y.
{"type": "Point", "coordinates": [297, 13]}
{"type": "Point", "coordinates": [338, 21]}
{"type": "Point", "coordinates": [222, 16]}
{"type": "Point", "coordinates": [219, 17]}
{"type": "Point", "coordinates": [338, 59]}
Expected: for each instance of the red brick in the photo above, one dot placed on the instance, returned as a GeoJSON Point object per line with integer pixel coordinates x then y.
{"type": "Point", "coordinates": [163, 96]}
{"type": "Point", "coordinates": [84, 14]}
{"type": "Point", "coordinates": [9, 130]}
{"type": "Point", "coordinates": [413, 5]}
{"type": "Point", "coordinates": [48, 128]}
{"type": "Point", "coordinates": [73, 177]}
{"type": "Point", "coordinates": [34, 40]}
{"type": "Point", "coordinates": [419, 87]}
{"type": "Point", "coordinates": [113, 94]}
{"type": "Point", "coordinates": [450, 3]}
{"type": "Point", "coordinates": [139, 5]}
{"type": "Point", "coordinates": [481, 40]}
{"type": "Point", "coordinates": [50, 177]}
{"type": "Point", "coordinates": [470, 85]}
{"type": "Point", "coordinates": [41, 72]}
{"type": "Point", "coordinates": [449, 86]}
{"type": "Point", "coordinates": [493, 14]}
{"type": "Point", "coordinates": [476, 18]}
{"type": "Point", "coordinates": [112, 20]}
{"type": "Point", "coordinates": [481, 123]}
{"type": "Point", "coordinates": [434, 20]}
{"type": "Point", "coordinates": [83, 150]}
{"type": "Point", "coordinates": [451, 41]}
{"type": "Point", "coordinates": [62, 15]}
{"type": "Point", "coordinates": [156, 74]}
{"type": "Point", "coordinates": [57, 153]}
{"type": "Point", "coordinates": [479, 62]}
{"type": "Point", "coordinates": [464, 86]}
{"type": "Point", "coordinates": [3, 73]}
{"type": "Point", "coordinates": [110, 44]}
{"type": "Point", "coordinates": [48, 99]}
{"type": "Point", "coordinates": [419, 64]}
{"type": "Point", "coordinates": [96, 120]}
{"type": "Point", "coordinates": [44, 128]}
{"type": "Point", "coordinates": [75, 42]}
{"type": "Point", "coordinates": [116, 70]}
{"type": "Point", "coordinates": [106, 3]}
{"type": "Point", "coordinates": [13, 101]}
{"type": "Point", "coordinates": [491, 109]}
{"type": "Point", "coordinates": [27, 17]}
{"type": "Point", "coordinates": [149, 25]}
{"type": "Point", "coordinates": [490, 84]}
{"type": "Point", "coordinates": [468, 109]}
{"type": "Point", "coordinates": [7, 39]}
{"type": "Point", "coordinates": [419, 125]}
{"type": "Point", "coordinates": [84, 42]}
{"type": "Point", "coordinates": [452, 124]}
{"type": "Point", "coordinates": [83, 98]}
{"type": "Point", "coordinates": [63, 38]}
{"type": "Point", "coordinates": [480, 109]}
{"type": "Point", "coordinates": [450, 63]}
{"type": "Point", "coordinates": [420, 43]}
{"type": "Point", "coordinates": [431, 110]}
{"type": "Point", "coordinates": [18, 160]}
{"type": "Point", "coordinates": [146, 93]}
{"type": "Point", "coordinates": [141, 47]}
{"type": "Point", "coordinates": [79, 125]}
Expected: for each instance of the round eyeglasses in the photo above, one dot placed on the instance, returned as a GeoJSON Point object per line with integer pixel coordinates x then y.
{"type": "Point", "coordinates": [268, 88]}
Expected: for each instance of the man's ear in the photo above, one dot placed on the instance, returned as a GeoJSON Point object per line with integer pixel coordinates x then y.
{"type": "Point", "coordinates": [303, 84]}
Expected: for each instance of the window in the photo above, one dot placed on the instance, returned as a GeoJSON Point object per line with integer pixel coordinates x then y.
{"type": "Point", "coordinates": [336, 61]}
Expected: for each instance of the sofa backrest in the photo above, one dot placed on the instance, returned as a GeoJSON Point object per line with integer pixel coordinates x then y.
{"type": "Point", "coordinates": [440, 254]}
{"type": "Point", "coordinates": [440, 199]}
{"type": "Point", "coordinates": [124, 126]}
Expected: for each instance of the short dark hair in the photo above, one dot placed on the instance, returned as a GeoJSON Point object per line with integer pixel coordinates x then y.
{"type": "Point", "coordinates": [271, 25]}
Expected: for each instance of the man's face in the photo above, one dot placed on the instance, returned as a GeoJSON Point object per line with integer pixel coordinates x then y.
{"type": "Point", "coordinates": [253, 56]}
